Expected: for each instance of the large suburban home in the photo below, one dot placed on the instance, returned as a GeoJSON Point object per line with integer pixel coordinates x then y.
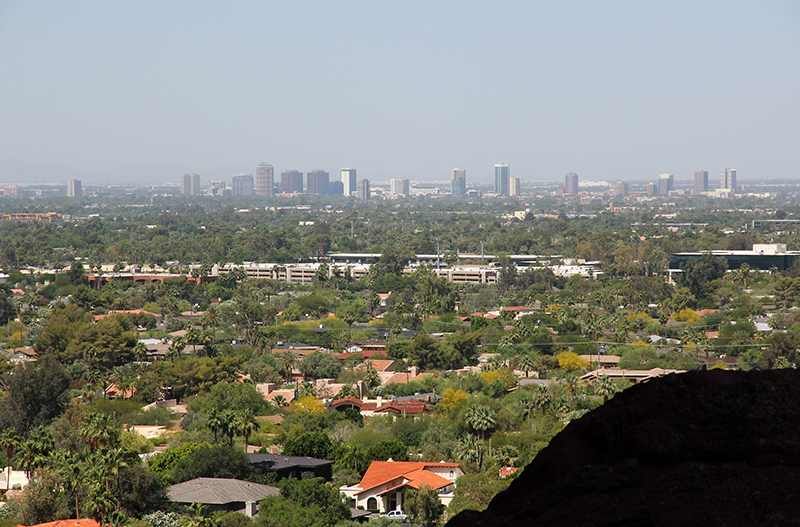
{"type": "Point", "coordinates": [384, 485]}
{"type": "Point", "coordinates": [222, 494]}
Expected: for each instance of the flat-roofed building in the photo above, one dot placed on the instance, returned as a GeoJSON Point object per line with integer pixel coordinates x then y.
{"type": "Point", "coordinates": [265, 180]}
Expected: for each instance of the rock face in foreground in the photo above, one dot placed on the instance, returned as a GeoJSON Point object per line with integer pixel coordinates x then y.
{"type": "Point", "coordinates": [701, 448]}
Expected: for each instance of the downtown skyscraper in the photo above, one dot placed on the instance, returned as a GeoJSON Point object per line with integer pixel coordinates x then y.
{"type": "Point", "coordinates": [571, 184]}
{"type": "Point", "coordinates": [700, 182]}
{"type": "Point", "coordinates": [502, 179]}
{"type": "Point", "coordinates": [458, 182]}
{"type": "Point", "coordinates": [727, 180]}
{"type": "Point", "coordinates": [349, 181]}
{"type": "Point", "coordinates": [265, 180]}
{"type": "Point", "coordinates": [190, 184]}
{"type": "Point", "coordinates": [317, 182]}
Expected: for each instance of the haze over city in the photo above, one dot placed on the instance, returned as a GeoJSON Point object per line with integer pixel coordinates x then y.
{"type": "Point", "coordinates": [611, 91]}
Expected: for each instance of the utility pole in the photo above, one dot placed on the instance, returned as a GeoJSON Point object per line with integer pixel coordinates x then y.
{"type": "Point", "coordinates": [437, 253]}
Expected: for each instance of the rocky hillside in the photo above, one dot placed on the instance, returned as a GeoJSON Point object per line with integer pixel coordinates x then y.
{"type": "Point", "coordinates": [701, 448]}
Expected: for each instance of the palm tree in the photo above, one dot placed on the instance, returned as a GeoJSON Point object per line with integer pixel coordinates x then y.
{"type": "Point", "coordinates": [527, 364]}
{"type": "Point", "coordinates": [247, 424]}
{"type": "Point", "coordinates": [194, 337]}
{"type": "Point", "coordinates": [527, 407]}
{"type": "Point", "coordinates": [371, 377]}
{"type": "Point", "coordinates": [603, 387]}
{"type": "Point", "coordinates": [214, 422]}
{"type": "Point", "coordinates": [481, 418]}
{"type": "Point", "coordinates": [115, 459]}
{"type": "Point", "coordinates": [100, 431]}
{"type": "Point", "coordinates": [346, 391]}
{"type": "Point", "coordinates": [229, 425]}
{"type": "Point", "coordinates": [543, 398]}
{"type": "Point", "coordinates": [470, 448]}
{"type": "Point", "coordinates": [285, 362]}
{"type": "Point", "coordinates": [279, 401]}
{"type": "Point", "coordinates": [71, 469]}
{"type": "Point", "coordinates": [140, 351]}
{"type": "Point", "coordinates": [176, 348]}
{"type": "Point", "coordinates": [9, 441]}
{"type": "Point", "coordinates": [573, 384]}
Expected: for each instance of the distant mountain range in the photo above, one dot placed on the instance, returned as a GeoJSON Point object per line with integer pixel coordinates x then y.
{"type": "Point", "coordinates": [22, 173]}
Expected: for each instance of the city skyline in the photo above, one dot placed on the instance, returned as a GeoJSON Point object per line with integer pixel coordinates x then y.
{"type": "Point", "coordinates": [635, 103]}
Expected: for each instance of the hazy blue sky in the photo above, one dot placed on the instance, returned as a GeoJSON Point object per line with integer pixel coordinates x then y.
{"type": "Point", "coordinates": [610, 90]}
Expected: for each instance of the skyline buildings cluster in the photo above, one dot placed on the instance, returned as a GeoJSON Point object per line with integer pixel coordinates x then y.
{"type": "Point", "coordinates": [291, 182]}
{"type": "Point", "coordinates": [318, 182]}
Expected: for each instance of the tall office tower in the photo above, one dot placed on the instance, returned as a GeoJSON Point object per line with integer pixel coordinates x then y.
{"type": "Point", "coordinates": [399, 187]}
{"type": "Point", "coordinates": [727, 179]}
{"type": "Point", "coordinates": [317, 182]}
{"type": "Point", "coordinates": [242, 184]}
{"type": "Point", "coordinates": [458, 182]}
{"type": "Point", "coordinates": [571, 184]}
{"type": "Point", "coordinates": [514, 187]}
{"type": "Point", "coordinates": [335, 188]}
{"type": "Point", "coordinates": [652, 188]}
{"type": "Point", "coordinates": [190, 184]}
{"type": "Point", "coordinates": [265, 180]}
{"type": "Point", "coordinates": [349, 181]}
{"type": "Point", "coordinates": [700, 181]}
{"type": "Point", "coordinates": [74, 188]}
{"type": "Point", "coordinates": [362, 189]}
{"type": "Point", "coordinates": [621, 188]}
{"type": "Point", "coordinates": [666, 182]}
{"type": "Point", "coordinates": [291, 182]}
{"type": "Point", "coordinates": [502, 173]}
{"type": "Point", "coordinates": [11, 191]}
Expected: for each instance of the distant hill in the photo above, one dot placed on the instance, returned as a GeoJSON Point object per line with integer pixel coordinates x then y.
{"type": "Point", "coordinates": [22, 173]}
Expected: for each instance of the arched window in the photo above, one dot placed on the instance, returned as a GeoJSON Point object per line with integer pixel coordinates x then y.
{"type": "Point", "coordinates": [452, 474]}
{"type": "Point", "coordinates": [372, 504]}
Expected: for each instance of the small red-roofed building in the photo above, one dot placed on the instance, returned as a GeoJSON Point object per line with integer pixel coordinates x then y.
{"type": "Point", "coordinates": [507, 471]}
{"type": "Point", "coordinates": [81, 522]}
{"type": "Point", "coordinates": [385, 483]}
{"type": "Point", "coordinates": [408, 408]}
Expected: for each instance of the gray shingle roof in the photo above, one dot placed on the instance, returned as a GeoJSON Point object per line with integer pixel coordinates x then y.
{"type": "Point", "coordinates": [219, 491]}
{"type": "Point", "coordinates": [280, 462]}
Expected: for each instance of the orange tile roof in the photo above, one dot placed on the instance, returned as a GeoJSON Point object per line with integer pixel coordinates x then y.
{"type": "Point", "coordinates": [355, 401]}
{"type": "Point", "coordinates": [82, 522]}
{"type": "Point", "coordinates": [410, 407]}
{"type": "Point", "coordinates": [382, 365]}
{"type": "Point", "coordinates": [421, 477]}
{"type": "Point", "coordinates": [381, 472]}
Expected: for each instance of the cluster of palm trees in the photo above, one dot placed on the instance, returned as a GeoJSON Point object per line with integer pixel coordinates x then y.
{"type": "Point", "coordinates": [481, 419]}
{"type": "Point", "coordinates": [229, 423]}
{"type": "Point", "coordinates": [91, 477]}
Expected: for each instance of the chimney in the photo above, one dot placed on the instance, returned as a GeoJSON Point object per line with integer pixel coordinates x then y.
{"type": "Point", "coordinates": [251, 508]}
{"type": "Point", "coordinates": [270, 387]}
{"type": "Point", "coordinates": [414, 370]}
{"type": "Point", "coordinates": [273, 449]}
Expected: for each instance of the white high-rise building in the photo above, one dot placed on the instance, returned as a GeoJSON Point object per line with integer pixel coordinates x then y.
{"type": "Point", "coordinates": [400, 187]}
{"type": "Point", "coordinates": [349, 181]}
{"type": "Point", "coordinates": [73, 188]}
{"type": "Point", "coordinates": [727, 180]}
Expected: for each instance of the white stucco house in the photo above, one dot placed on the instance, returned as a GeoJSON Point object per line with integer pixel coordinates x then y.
{"type": "Point", "coordinates": [384, 484]}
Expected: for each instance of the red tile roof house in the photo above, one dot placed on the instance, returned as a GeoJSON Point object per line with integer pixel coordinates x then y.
{"type": "Point", "coordinates": [83, 522]}
{"type": "Point", "coordinates": [384, 485]}
{"type": "Point", "coordinates": [368, 408]}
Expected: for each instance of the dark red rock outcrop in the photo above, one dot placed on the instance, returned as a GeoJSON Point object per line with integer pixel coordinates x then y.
{"type": "Point", "coordinates": [717, 448]}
